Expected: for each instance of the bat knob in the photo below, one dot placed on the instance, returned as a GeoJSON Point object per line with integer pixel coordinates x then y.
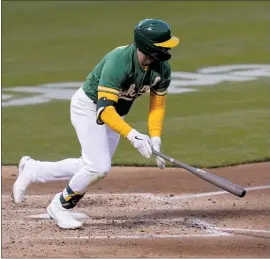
{"type": "Point", "coordinates": [243, 194]}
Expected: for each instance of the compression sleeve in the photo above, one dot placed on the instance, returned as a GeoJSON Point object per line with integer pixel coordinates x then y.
{"type": "Point", "coordinates": [109, 115]}
{"type": "Point", "coordinates": [156, 114]}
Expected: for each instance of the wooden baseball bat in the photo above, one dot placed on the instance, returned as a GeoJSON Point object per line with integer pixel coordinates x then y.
{"type": "Point", "coordinates": [207, 176]}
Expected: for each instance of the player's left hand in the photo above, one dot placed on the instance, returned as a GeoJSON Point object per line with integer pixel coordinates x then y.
{"type": "Point", "coordinates": [155, 143]}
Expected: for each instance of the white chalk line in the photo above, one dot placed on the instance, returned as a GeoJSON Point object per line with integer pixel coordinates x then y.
{"type": "Point", "coordinates": [150, 195]}
{"type": "Point", "coordinates": [227, 231]}
{"type": "Point", "coordinates": [244, 230]}
{"type": "Point", "coordinates": [199, 195]}
{"type": "Point", "coordinates": [209, 228]}
{"type": "Point", "coordinates": [76, 215]}
{"type": "Point", "coordinates": [145, 236]}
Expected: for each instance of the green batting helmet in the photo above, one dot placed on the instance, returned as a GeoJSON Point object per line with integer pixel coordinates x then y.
{"type": "Point", "coordinates": [154, 38]}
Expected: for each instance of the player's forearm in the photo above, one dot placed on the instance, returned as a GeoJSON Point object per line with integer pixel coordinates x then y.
{"type": "Point", "coordinates": [114, 121]}
{"type": "Point", "coordinates": [156, 115]}
{"type": "Point", "coordinates": [108, 114]}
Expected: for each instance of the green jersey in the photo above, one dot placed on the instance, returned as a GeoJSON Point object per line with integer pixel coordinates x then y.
{"type": "Point", "coordinates": [121, 73]}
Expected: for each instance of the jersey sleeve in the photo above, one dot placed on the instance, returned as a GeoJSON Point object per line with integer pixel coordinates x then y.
{"type": "Point", "coordinates": [113, 75]}
{"type": "Point", "coordinates": [161, 88]}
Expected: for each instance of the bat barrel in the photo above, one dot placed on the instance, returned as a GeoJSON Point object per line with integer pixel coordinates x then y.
{"type": "Point", "coordinates": [221, 182]}
{"type": "Point", "coordinates": [207, 176]}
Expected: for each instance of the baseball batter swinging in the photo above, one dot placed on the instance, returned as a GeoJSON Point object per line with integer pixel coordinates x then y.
{"type": "Point", "coordinates": [97, 113]}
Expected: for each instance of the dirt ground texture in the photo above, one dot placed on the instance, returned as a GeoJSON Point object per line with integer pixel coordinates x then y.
{"type": "Point", "coordinates": [145, 212]}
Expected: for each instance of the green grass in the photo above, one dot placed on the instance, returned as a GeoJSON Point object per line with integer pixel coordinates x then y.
{"type": "Point", "coordinates": [62, 41]}
{"type": "Point", "coordinates": [58, 41]}
{"type": "Point", "coordinates": [209, 128]}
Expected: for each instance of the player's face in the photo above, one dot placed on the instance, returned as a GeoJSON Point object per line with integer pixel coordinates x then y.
{"type": "Point", "coordinates": [147, 60]}
{"type": "Point", "coordinates": [144, 59]}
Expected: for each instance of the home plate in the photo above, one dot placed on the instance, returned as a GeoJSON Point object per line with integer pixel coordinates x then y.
{"type": "Point", "coordinates": [76, 215]}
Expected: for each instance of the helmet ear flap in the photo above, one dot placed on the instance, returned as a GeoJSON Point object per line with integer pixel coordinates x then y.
{"type": "Point", "coordinates": [142, 43]}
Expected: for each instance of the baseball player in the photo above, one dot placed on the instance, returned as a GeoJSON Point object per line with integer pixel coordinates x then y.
{"type": "Point", "coordinates": [97, 113]}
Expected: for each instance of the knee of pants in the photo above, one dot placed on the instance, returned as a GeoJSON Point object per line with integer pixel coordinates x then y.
{"type": "Point", "coordinates": [101, 169]}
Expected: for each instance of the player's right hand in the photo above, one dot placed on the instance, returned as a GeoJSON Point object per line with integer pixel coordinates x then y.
{"type": "Point", "coordinates": [140, 142]}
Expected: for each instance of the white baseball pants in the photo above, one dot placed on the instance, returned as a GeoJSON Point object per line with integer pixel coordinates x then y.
{"type": "Point", "coordinates": [98, 144]}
